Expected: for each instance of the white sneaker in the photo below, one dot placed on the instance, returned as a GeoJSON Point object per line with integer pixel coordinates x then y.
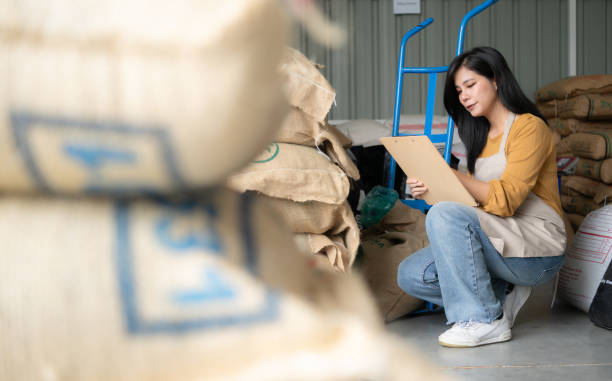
{"type": "Point", "coordinates": [514, 301]}
{"type": "Point", "coordinates": [473, 334]}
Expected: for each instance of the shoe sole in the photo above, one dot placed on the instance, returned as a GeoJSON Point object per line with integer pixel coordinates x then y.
{"type": "Point", "coordinates": [499, 339]}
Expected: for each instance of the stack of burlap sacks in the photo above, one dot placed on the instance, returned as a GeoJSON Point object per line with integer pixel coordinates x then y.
{"type": "Point", "coordinates": [305, 173]}
{"type": "Point", "coordinates": [123, 258]}
{"type": "Point", "coordinates": [579, 110]}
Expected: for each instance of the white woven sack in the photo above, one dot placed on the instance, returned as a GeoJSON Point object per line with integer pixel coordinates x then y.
{"type": "Point", "coordinates": [587, 259]}
{"type": "Point", "coordinates": [137, 96]}
{"type": "Point", "coordinates": [207, 288]}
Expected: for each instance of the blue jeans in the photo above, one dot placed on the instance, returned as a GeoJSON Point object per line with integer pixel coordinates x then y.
{"type": "Point", "coordinates": [462, 271]}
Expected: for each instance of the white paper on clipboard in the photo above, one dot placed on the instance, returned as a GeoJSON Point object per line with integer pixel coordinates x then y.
{"type": "Point", "coordinates": [419, 158]}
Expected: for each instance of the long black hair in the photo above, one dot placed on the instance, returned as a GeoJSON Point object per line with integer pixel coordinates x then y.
{"type": "Point", "coordinates": [489, 63]}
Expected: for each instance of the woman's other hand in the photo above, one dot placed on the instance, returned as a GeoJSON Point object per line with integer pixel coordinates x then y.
{"type": "Point", "coordinates": [417, 188]}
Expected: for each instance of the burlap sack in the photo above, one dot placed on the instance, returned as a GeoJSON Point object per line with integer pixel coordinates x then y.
{"type": "Point", "coordinates": [342, 159]}
{"type": "Point", "coordinates": [332, 247]}
{"type": "Point", "coordinates": [293, 172]}
{"type": "Point", "coordinates": [300, 128]}
{"type": "Point", "coordinates": [382, 255]}
{"type": "Point", "coordinates": [563, 147]}
{"type": "Point", "coordinates": [570, 192]}
{"type": "Point", "coordinates": [572, 86]}
{"type": "Point", "coordinates": [398, 234]}
{"type": "Point", "coordinates": [598, 170]}
{"type": "Point", "coordinates": [575, 219]}
{"type": "Point", "coordinates": [313, 216]}
{"type": "Point", "coordinates": [336, 221]}
{"type": "Point", "coordinates": [584, 107]}
{"type": "Point", "coordinates": [209, 288]}
{"type": "Point", "coordinates": [596, 190]}
{"type": "Point", "coordinates": [566, 127]}
{"type": "Point", "coordinates": [556, 137]}
{"type": "Point", "coordinates": [578, 204]}
{"type": "Point", "coordinates": [307, 89]}
{"type": "Point", "coordinates": [596, 146]}
{"type": "Point", "coordinates": [402, 218]}
{"type": "Point", "coordinates": [104, 96]}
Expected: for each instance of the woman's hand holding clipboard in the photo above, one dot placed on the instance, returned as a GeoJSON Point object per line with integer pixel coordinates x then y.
{"type": "Point", "coordinates": [420, 160]}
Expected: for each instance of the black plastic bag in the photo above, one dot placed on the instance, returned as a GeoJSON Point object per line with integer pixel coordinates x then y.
{"type": "Point", "coordinates": [600, 311]}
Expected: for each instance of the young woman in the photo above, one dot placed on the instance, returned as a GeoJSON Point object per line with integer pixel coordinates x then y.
{"type": "Point", "coordinates": [515, 238]}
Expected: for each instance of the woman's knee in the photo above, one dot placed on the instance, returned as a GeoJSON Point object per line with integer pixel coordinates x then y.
{"type": "Point", "coordinates": [415, 272]}
{"type": "Point", "coordinates": [406, 274]}
{"type": "Point", "coordinates": [448, 215]}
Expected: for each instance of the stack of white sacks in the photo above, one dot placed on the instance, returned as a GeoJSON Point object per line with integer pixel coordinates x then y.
{"type": "Point", "coordinates": [122, 256]}
{"type": "Point", "coordinates": [580, 113]}
{"type": "Point", "coordinates": [305, 173]}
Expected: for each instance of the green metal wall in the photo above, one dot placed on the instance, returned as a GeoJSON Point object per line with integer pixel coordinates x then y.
{"type": "Point", "coordinates": [594, 36]}
{"type": "Point", "coordinates": [532, 35]}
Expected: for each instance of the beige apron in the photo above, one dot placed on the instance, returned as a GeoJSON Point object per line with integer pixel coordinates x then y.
{"type": "Point", "coordinates": [535, 229]}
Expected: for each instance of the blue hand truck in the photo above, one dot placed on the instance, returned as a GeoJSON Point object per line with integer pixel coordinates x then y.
{"type": "Point", "coordinates": [432, 73]}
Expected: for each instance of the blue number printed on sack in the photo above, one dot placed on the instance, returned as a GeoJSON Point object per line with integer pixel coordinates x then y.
{"type": "Point", "coordinates": [205, 237]}
{"type": "Point", "coordinates": [214, 287]}
{"type": "Point", "coordinates": [75, 143]}
{"type": "Point", "coordinates": [94, 157]}
{"type": "Point", "coordinates": [215, 284]}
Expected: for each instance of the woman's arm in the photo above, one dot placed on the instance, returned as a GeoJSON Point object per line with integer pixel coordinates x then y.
{"type": "Point", "coordinates": [478, 189]}
{"type": "Point", "coordinates": [529, 146]}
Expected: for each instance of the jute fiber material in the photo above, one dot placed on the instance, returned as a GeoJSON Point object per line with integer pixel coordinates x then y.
{"type": "Point", "coordinates": [115, 97]}
{"type": "Point", "coordinates": [563, 147]}
{"type": "Point", "coordinates": [593, 145]}
{"type": "Point", "coordinates": [596, 190]}
{"type": "Point", "coordinates": [402, 218]}
{"type": "Point", "coordinates": [578, 204]}
{"type": "Point", "coordinates": [598, 170]}
{"type": "Point", "coordinates": [332, 247]}
{"type": "Point", "coordinates": [583, 107]}
{"type": "Point", "coordinates": [307, 89]}
{"type": "Point", "coordinates": [336, 221]}
{"type": "Point", "coordinates": [569, 191]}
{"type": "Point", "coordinates": [300, 128]}
{"type": "Point", "coordinates": [205, 288]}
{"type": "Point", "coordinates": [342, 159]}
{"type": "Point", "coordinates": [575, 219]}
{"type": "Point", "coordinates": [293, 172]}
{"type": "Point", "coordinates": [570, 126]}
{"type": "Point", "coordinates": [572, 86]}
{"type": "Point", "coordinates": [382, 254]}
{"type": "Point", "coordinates": [556, 137]}
{"type": "Point", "coordinates": [400, 233]}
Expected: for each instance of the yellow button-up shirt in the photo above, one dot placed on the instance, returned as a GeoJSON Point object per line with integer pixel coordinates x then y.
{"type": "Point", "coordinates": [531, 166]}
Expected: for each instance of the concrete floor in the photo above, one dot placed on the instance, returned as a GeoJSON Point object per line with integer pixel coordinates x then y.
{"type": "Point", "coordinates": [548, 344]}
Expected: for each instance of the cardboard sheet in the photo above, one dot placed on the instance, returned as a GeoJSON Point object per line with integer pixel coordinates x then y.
{"type": "Point", "coordinates": [417, 157]}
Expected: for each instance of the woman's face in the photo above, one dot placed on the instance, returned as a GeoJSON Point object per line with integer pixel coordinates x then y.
{"type": "Point", "coordinates": [476, 92]}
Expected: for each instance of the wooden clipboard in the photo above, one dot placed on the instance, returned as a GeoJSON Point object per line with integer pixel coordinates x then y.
{"type": "Point", "coordinates": [418, 157]}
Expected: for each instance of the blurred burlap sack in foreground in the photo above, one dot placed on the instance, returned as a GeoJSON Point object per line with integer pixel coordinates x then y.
{"type": "Point", "coordinates": [193, 288]}
{"type": "Point", "coordinates": [138, 96]}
